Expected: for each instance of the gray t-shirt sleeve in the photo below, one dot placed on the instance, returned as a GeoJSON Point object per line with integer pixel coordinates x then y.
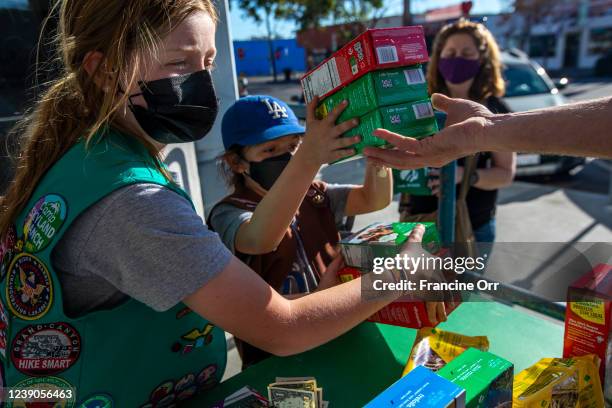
{"type": "Point", "coordinates": [338, 196]}
{"type": "Point", "coordinates": [226, 219]}
{"type": "Point", "coordinates": [147, 242]}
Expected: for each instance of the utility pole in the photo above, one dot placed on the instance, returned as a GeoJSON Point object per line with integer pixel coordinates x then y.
{"type": "Point", "coordinates": [407, 16]}
{"type": "Point", "coordinates": [271, 42]}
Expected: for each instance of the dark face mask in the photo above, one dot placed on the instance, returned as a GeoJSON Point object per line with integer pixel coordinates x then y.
{"type": "Point", "coordinates": [458, 70]}
{"type": "Point", "coordinates": [267, 171]}
{"type": "Point", "coordinates": [180, 109]}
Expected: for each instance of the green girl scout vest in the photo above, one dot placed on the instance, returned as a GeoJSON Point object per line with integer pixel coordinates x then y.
{"type": "Point", "coordinates": [129, 356]}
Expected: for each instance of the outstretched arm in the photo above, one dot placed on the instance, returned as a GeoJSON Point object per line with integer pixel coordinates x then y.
{"type": "Point", "coordinates": [240, 302]}
{"type": "Point", "coordinates": [375, 194]}
{"type": "Point", "coordinates": [580, 129]}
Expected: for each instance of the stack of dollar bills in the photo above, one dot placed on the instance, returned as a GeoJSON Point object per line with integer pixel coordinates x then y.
{"type": "Point", "coordinates": [294, 392]}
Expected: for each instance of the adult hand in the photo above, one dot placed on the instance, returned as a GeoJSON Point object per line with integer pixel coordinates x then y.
{"type": "Point", "coordinates": [465, 123]}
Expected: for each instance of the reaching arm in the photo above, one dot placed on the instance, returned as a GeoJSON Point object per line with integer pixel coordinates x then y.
{"type": "Point", "coordinates": [579, 129]}
{"type": "Point", "coordinates": [240, 302]}
{"type": "Point", "coordinates": [500, 174]}
{"type": "Point", "coordinates": [375, 194]}
{"type": "Point", "coordinates": [322, 143]}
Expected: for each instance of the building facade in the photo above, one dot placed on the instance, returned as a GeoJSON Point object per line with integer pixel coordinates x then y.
{"type": "Point", "coordinates": [253, 57]}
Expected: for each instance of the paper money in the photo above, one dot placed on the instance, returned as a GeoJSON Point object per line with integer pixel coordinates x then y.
{"type": "Point", "coordinates": [299, 383]}
{"type": "Point", "coordinates": [291, 398]}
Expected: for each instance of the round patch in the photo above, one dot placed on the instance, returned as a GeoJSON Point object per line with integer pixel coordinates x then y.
{"type": "Point", "coordinates": [46, 349]}
{"type": "Point", "coordinates": [4, 323]}
{"type": "Point", "coordinates": [184, 383]}
{"type": "Point", "coordinates": [187, 393]}
{"type": "Point", "coordinates": [97, 401]}
{"type": "Point", "coordinates": [42, 222]}
{"type": "Point", "coordinates": [7, 250]}
{"type": "Point", "coordinates": [206, 379]}
{"type": "Point", "coordinates": [162, 392]}
{"type": "Point", "coordinates": [45, 383]}
{"type": "Point", "coordinates": [29, 289]}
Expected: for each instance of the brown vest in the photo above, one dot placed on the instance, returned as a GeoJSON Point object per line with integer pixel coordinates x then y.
{"type": "Point", "coordinates": [316, 227]}
{"type": "Point", "coordinates": [317, 230]}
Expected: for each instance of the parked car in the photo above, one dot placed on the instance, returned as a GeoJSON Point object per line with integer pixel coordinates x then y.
{"type": "Point", "coordinates": [603, 66]}
{"type": "Point", "coordinates": [528, 86]}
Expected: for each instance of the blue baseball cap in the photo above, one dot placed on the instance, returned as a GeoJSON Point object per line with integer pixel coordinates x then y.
{"type": "Point", "coordinates": [256, 119]}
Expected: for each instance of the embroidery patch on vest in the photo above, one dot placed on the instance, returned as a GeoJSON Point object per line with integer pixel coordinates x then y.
{"type": "Point", "coordinates": [7, 250]}
{"type": "Point", "coordinates": [170, 392]}
{"type": "Point", "coordinates": [29, 288]}
{"type": "Point", "coordinates": [198, 338]}
{"type": "Point", "coordinates": [183, 312]}
{"type": "Point", "coordinates": [207, 378]}
{"type": "Point", "coordinates": [162, 395]}
{"type": "Point", "coordinates": [46, 349]}
{"type": "Point", "coordinates": [49, 384]}
{"type": "Point", "coordinates": [97, 401]}
{"type": "Point", "coordinates": [185, 387]}
{"type": "Point", "coordinates": [42, 222]}
{"type": "Point", "coordinates": [4, 324]}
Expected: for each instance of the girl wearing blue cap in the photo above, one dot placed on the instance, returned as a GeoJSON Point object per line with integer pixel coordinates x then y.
{"type": "Point", "coordinates": [278, 220]}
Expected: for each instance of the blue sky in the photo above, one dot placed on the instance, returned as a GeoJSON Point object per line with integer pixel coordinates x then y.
{"type": "Point", "coordinates": [244, 28]}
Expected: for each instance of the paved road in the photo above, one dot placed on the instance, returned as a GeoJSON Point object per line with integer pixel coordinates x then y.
{"type": "Point", "coordinates": [588, 88]}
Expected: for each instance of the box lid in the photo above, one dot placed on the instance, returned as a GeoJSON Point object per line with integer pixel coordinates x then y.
{"type": "Point", "coordinates": [420, 388]}
{"type": "Point", "coordinates": [474, 370]}
{"type": "Point", "coordinates": [598, 280]}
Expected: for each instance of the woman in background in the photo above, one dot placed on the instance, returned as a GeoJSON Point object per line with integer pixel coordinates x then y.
{"type": "Point", "coordinates": [465, 63]}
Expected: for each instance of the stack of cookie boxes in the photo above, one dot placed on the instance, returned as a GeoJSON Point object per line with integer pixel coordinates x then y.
{"type": "Point", "coordinates": [380, 74]}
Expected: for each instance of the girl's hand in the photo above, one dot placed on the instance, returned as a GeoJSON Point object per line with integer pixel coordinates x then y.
{"type": "Point", "coordinates": [330, 276]}
{"type": "Point", "coordinates": [436, 312]}
{"type": "Point", "coordinates": [434, 179]}
{"type": "Point", "coordinates": [323, 142]}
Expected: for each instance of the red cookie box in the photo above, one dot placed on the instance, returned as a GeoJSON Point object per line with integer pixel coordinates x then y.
{"type": "Point", "coordinates": [377, 48]}
{"type": "Point", "coordinates": [410, 314]}
{"type": "Point", "coordinates": [588, 318]}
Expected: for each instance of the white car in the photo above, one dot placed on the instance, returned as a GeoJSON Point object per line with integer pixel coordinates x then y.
{"type": "Point", "coordinates": [529, 87]}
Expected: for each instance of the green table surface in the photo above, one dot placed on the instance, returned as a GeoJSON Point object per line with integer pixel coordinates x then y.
{"type": "Point", "coordinates": [357, 366]}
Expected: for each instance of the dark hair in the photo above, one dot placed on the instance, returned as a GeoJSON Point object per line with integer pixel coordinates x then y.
{"type": "Point", "coordinates": [231, 178]}
{"type": "Point", "coordinates": [489, 81]}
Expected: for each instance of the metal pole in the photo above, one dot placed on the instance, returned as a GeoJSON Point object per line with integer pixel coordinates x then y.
{"type": "Point", "coordinates": [446, 208]}
{"type": "Point", "coordinates": [447, 200]}
{"type": "Point", "coordinates": [226, 86]}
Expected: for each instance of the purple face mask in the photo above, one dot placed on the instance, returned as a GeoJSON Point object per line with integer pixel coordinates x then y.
{"type": "Point", "coordinates": [458, 70]}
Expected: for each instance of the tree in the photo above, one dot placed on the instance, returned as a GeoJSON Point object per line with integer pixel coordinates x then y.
{"type": "Point", "coordinates": [266, 11]}
{"type": "Point", "coordinates": [532, 12]}
{"type": "Point", "coordinates": [309, 13]}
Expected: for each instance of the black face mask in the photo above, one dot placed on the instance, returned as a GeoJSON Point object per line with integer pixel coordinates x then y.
{"type": "Point", "coordinates": [180, 109]}
{"type": "Point", "coordinates": [267, 171]}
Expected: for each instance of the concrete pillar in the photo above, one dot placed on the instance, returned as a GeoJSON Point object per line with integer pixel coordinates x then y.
{"type": "Point", "coordinates": [226, 86]}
